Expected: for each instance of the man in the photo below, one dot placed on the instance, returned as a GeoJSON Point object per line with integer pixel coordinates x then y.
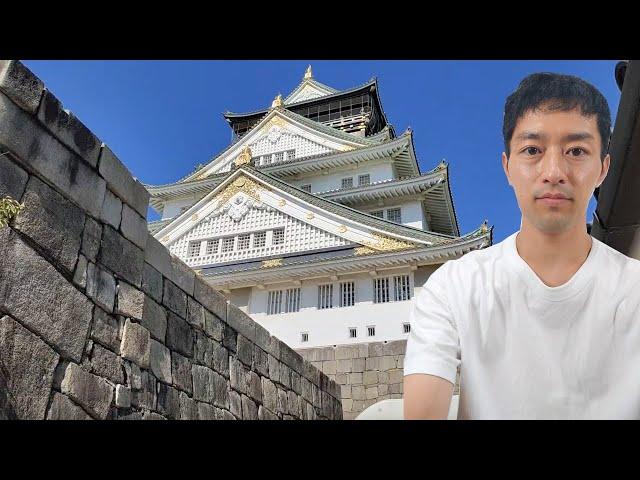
{"type": "Point", "coordinates": [545, 324]}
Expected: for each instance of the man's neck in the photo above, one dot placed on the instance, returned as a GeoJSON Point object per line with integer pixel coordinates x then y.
{"type": "Point", "coordinates": [554, 258]}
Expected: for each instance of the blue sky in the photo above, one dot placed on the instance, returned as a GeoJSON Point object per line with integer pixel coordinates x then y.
{"type": "Point", "coordinates": [162, 118]}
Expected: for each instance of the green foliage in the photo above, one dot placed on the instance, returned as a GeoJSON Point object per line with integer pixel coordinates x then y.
{"type": "Point", "coordinates": [9, 208]}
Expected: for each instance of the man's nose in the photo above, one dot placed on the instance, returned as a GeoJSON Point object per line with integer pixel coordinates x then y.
{"type": "Point", "coordinates": [553, 167]}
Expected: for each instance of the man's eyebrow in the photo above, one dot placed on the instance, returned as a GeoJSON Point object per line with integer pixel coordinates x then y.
{"type": "Point", "coordinates": [529, 135]}
{"type": "Point", "coordinates": [572, 137]}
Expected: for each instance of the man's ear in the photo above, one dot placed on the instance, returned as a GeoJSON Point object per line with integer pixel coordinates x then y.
{"type": "Point", "coordinates": [505, 166]}
{"type": "Point", "coordinates": [604, 170]}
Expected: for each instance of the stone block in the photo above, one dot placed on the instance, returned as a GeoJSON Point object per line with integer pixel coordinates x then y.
{"type": "Point", "coordinates": [371, 392]}
{"type": "Point", "coordinates": [305, 387]}
{"type": "Point", "coordinates": [237, 376]}
{"type": "Point", "coordinates": [209, 386]}
{"type": "Point", "coordinates": [168, 401]}
{"type": "Point", "coordinates": [29, 366]}
{"type": "Point", "coordinates": [157, 255]}
{"type": "Point", "coordinates": [154, 319]}
{"type": "Point", "coordinates": [213, 301]}
{"type": "Point", "coordinates": [269, 394]}
{"type": "Point", "coordinates": [111, 211]}
{"type": "Point", "coordinates": [387, 362]}
{"type": "Point", "coordinates": [241, 322]}
{"type": "Point", "coordinates": [345, 352]}
{"type": "Point", "coordinates": [105, 330]}
{"type": "Point", "coordinates": [152, 416]}
{"type": "Point", "coordinates": [152, 282]}
{"type": "Point", "coordinates": [396, 376]}
{"type": "Point", "coordinates": [146, 396]}
{"type": "Point", "coordinates": [285, 375]}
{"type": "Point", "coordinates": [66, 127]}
{"type": "Point", "coordinates": [359, 365]}
{"type": "Point", "coordinates": [344, 366]}
{"type": "Point", "coordinates": [244, 350]}
{"type": "Point", "coordinates": [229, 338]}
{"type": "Point", "coordinates": [13, 179]}
{"type": "Point", "coordinates": [206, 411]}
{"type": "Point", "coordinates": [370, 377]}
{"type": "Point", "coordinates": [400, 361]}
{"type": "Point", "coordinates": [174, 298]}
{"type": "Point", "coordinates": [123, 396]}
{"type": "Point", "coordinates": [254, 386]}
{"type": "Point", "coordinates": [295, 383]}
{"type": "Point", "coordinates": [121, 256]}
{"type": "Point", "coordinates": [91, 237]}
{"type": "Point", "coordinates": [261, 362]}
{"type": "Point", "coordinates": [383, 389]}
{"type": "Point", "coordinates": [383, 377]}
{"type": "Point", "coordinates": [51, 221]}
{"type": "Point", "coordinates": [35, 293]}
{"type": "Point", "coordinates": [160, 361]}
{"type": "Point", "coordinates": [345, 391]}
{"type": "Point", "coordinates": [133, 226]}
{"type": "Point", "coordinates": [80, 274]}
{"type": "Point", "coordinates": [121, 182]}
{"type": "Point", "coordinates": [101, 287]}
{"type": "Point", "coordinates": [274, 368]}
{"type": "Point", "coordinates": [188, 408]}
{"type": "Point", "coordinates": [107, 364]}
{"type": "Point", "coordinates": [264, 414]}
{"type": "Point", "coordinates": [249, 409]}
{"type": "Point", "coordinates": [136, 344]}
{"type": "Point", "coordinates": [358, 392]}
{"type": "Point", "coordinates": [396, 347]}
{"type": "Point", "coordinates": [195, 313]}
{"type": "Point", "coordinates": [134, 375]}
{"type": "Point", "coordinates": [182, 275]}
{"type": "Point", "coordinates": [62, 408]}
{"type": "Point", "coordinates": [329, 367]}
{"type": "Point", "coordinates": [36, 149]}
{"type": "Point", "coordinates": [291, 358]}
{"type": "Point", "coordinates": [372, 363]}
{"type": "Point", "coordinates": [213, 326]}
{"type": "Point", "coordinates": [235, 403]}
{"type": "Point", "coordinates": [93, 393]}
{"type": "Point", "coordinates": [21, 85]}
{"type": "Point", "coordinates": [130, 301]}
{"type": "Point", "coordinates": [395, 388]}
{"type": "Point", "coordinates": [181, 372]}
{"type": "Point", "coordinates": [180, 335]}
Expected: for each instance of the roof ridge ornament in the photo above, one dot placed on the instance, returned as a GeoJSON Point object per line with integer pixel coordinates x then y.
{"type": "Point", "coordinates": [308, 73]}
{"type": "Point", "coordinates": [442, 165]}
{"type": "Point", "coordinates": [484, 228]}
{"type": "Point", "coordinates": [244, 157]}
{"type": "Point", "coordinates": [277, 102]}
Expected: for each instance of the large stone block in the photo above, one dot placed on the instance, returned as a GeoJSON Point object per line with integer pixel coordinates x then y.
{"type": "Point", "coordinates": [344, 352]}
{"type": "Point", "coordinates": [157, 255]}
{"type": "Point", "coordinates": [285, 375]}
{"type": "Point", "coordinates": [291, 358]}
{"type": "Point", "coordinates": [51, 221]}
{"type": "Point", "coordinates": [121, 256]}
{"type": "Point", "coordinates": [80, 275]}
{"type": "Point", "coordinates": [28, 365]}
{"type": "Point", "coordinates": [206, 411]}
{"type": "Point", "coordinates": [293, 405]}
{"type": "Point", "coordinates": [269, 394]}
{"type": "Point", "coordinates": [91, 236]}
{"type": "Point", "coordinates": [38, 151]}
{"type": "Point", "coordinates": [62, 408]}
{"type": "Point", "coordinates": [249, 409]}
{"type": "Point", "coordinates": [213, 326]}
{"type": "Point", "coordinates": [181, 372]}
{"type": "Point", "coordinates": [136, 344]}
{"type": "Point", "coordinates": [254, 386]}
{"type": "Point", "coordinates": [264, 414]}
{"type": "Point", "coordinates": [274, 368]}
{"type": "Point", "coordinates": [396, 347]}
{"type": "Point", "coordinates": [396, 376]}
{"type": "Point", "coordinates": [66, 127]}
{"type": "Point", "coordinates": [133, 226]}
{"type": "Point", "coordinates": [195, 313]}
{"type": "Point", "coordinates": [180, 335]}
{"type": "Point", "coordinates": [146, 396]}
{"type": "Point", "coordinates": [121, 182]}
{"type": "Point", "coordinates": [209, 386]}
{"type": "Point", "coordinates": [160, 361]}
{"type": "Point", "coordinates": [169, 401]}
{"type": "Point", "coordinates": [182, 275]}
{"type": "Point", "coordinates": [105, 330]}
{"type": "Point", "coordinates": [244, 351]}
{"type": "Point", "coordinates": [305, 387]}
{"type": "Point", "coordinates": [154, 319]}
{"type": "Point", "coordinates": [111, 211]}
{"type": "Point", "coordinates": [13, 179]}
{"type": "Point", "coordinates": [105, 363]}
{"type": "Point", "coordinates": [220, 359]}
{"type": "Point", "coordinates": [295, 383]}
{"type": "Point", "coordinates": [229, 338]}
{"type": "Point", "coordinates": [214, 301]}
{"type": "Point", "coordinates": [21, 85]}
{"type": "Point", "coordinates": [203, 350]}
{"type": "Point", "coordinates": [152, 282]}
{"type": "Point", "coordinates": [241, 322]}
{"type": "Point", "coordinates": [358, 365]}
{"type": "Point", "coordinates": [238, 376]}
{"type": "Point", "coordinates": [123, 396]}
{"type": "Point", "coordinates": [130, 301]}
{"type": "Point", "coordinates": [235, 403]}
{"type": "Point", "coordinates": [387, 362]}
{"type": "Point", "coordinates": [174, 298]}
{"type": "Point", "coordinates": [101, 287]}
{"type": "Point", "coordinates": [188, 408]}
{"type": "Point", "coordinates": [344, 366]}
{"type": "Point", "coordinates": [261, 361]}
{"type": "Point", "coordinates": [37, 295]}
{"type": "Point", "coordinates": [93, 393]}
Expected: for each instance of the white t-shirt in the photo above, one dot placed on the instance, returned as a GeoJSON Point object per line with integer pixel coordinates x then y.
{"type": "Point", "coordinates": [527, 350]}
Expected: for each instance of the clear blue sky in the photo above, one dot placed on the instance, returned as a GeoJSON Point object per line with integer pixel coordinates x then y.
{"type": "Point", "coordinates": [162, 118]}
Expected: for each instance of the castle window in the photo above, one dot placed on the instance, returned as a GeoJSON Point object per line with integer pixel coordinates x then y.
{"type": "Point", "coordinates": [393, 215]}
{"type": "Point", "coordinates": [274, 302]}
{"type": "Point", "coordinates": [347, 294]}
{"type": "Point", "coordinates": [212, 246]}
{"type": "Point", "coordinates": [305, 336]}
{"type": "Point", "coordinates": [279, 157]}
{"type": "Point", "coordinates": [371, 331]}
{"type": "Point", "coordinates": [306, 188]}
{"type": "Point", "coordinates": [243, 241]}
{"type": "Point", "coordinates": [353, 333]}
{"type": "Point", "coordinates": [364, 179]}
{"type": "Point", "coordinates": [377, 213]}
{"type": "Point", "coordinates": [347, 182]}
{"type": "Point", "coordinates": [259, 239]}
{"type": "Point", "coordinates": [381, 290]}
{"type": "Point", "coordinates": [401, 287]}
{"type": "Point", "coordinates": [227, 244]}
{"type": "Point", "coordinates": [194, 249]}
{"type": "Point", "coordinates": [325, 296]}
{"type": "Point", "coordinates": [292, 301]}
{"type": "Point", "coordinates": [291, 154]}
{"type": "Point", "coordinates": [406, 327]}
{"type": "Point", "coordinates": [278, 236]}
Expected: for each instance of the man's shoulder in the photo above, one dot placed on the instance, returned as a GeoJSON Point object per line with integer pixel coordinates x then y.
{"type": "Point", "coordinates": [615, 261]}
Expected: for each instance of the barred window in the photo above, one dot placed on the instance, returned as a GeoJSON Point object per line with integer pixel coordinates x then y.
{"type": "Point", "coordinates": [401, 287]}
{"type": "Point", "coordinates": [305, 336]}
{"type": "Point", "coordinates": [265, 159]}
{"type": "Point", "coordinates": [212, 246]}
{"type": "Point", "coordinates": [325, 296]}
{"type": "Point", "coordinates": [279, 157]}
{"type": "Point", "coordinates": [353, 333]}
{"type": "Point", "coordinates": [227, 244]}
{"type": "Point", "coordinates": [292, 301]}
{"type": "Point", "coordinates": [347, 182]}
{"type": "Point", "coordinates": [364, 179]}
{"type": "Point", "coordinates": [377, 213]}
{"type": "Point", "coordinates": [274, 302]}
{"type": "Point", "coordinates": [306, 188]}
{"type": "Point", "coordinates": [259, 239]}
{"type": "Point", "coordinates": [347, 294]}
{"type": "Point", "coordinates": [194, 249]}
{"type": "Point", "coordinates": [243, 241]}
{"type": "Point", "coordinates": [381, 290]}
{"type": "Point", "coordinates": [393, 215]}
{"type": "Point", "coordinates": [291, 154]}
{"type": "Point", "coordinates": [278, 236]}
{"type": "Point", "coordinates": [371, 331]}
{"type": "Point", "coordinates": [406, 327]}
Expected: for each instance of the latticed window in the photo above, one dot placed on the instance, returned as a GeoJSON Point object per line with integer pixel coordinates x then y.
{"type": "Point", "coordinates": [243, 241]}
{"type": "Point", "coordinates": [347, 294]}
{"type": "Point", "coordinates": [212, 246]}
{"type": "Point", "coordinates": [377, 213]}
{"type": "Point", "coordinates": [371, 331]}
{"type": "Point", "coordinates": [259, 239]}
{"type": "Point", "coordinates": [279, 157]}
{"type": "Point", "coordinates": [274, 302]}
{"type": "Point", "coordinates": [291, 154]}
{"type": "Point", "coordinates": [381, 290]}
{"type": "Point", "coordinates": [353, 333]}
{"type": "Point", "coordinates": [292, 300]}
{"type": "Point", "coordinates": [305, 336]}
{"type": "Point", "coordinates": [401, 287]}
{"type": "Point", "coordinates": [227, 244]}
{"type": "Point", "coordinates": [406, 327]}
{"type": "Point", "coordinates": [278, 236]}
{"type": "Point", "coordinates": [194, 249]}
{"type": "Point", "coordinates": [347, 182]}
{"type": "Point", "coordinates": [265, 159]}
{"type": "Point", "coordinates": [306, 188]}
{"type": "Point", "coordinates": [364, 179]}
{"type": "Point", "coordinates": [393, 215]}
{"type": "Point", "coordinates": [325, 296]}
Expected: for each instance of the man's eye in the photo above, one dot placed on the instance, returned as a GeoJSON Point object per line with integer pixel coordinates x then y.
{"type": "Point", "coordinates": [532, 150]}
{"type": "Point", "coordinates": [576, 152]}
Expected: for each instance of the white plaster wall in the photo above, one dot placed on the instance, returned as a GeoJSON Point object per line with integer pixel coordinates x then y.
{"type": "Point", "coordinates": [331, 326]}
{"type": "Point", "coordinates": [172, 208]}
{"type": "Point", "coordinates": [410, 212]}
{"type": "Point", "coordinates": [321, 183]}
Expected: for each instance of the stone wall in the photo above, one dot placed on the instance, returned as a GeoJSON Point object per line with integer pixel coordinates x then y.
{"type": "Point", "coordinates": [97, 319]}
{"type": "Point", "coordinates": [367, 372]}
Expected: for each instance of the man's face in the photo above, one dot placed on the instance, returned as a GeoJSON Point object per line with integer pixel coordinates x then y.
{"type": "Point", "coordinates": [555, 153]}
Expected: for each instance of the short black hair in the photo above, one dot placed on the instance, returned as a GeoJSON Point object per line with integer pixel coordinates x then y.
{"type": "Point", "coordinates": [556, 92]}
